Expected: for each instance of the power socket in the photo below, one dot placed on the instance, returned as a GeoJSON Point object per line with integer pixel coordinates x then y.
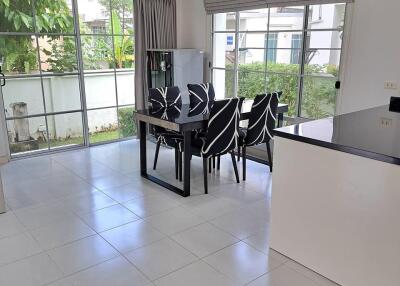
{"type": "Point", "coordinates": [390, 85]}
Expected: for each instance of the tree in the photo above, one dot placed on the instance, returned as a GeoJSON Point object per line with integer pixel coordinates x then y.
{"type": "Point", "coordinates": [124, 8]}
{"type": "Point", "coordinates": [16, 16]}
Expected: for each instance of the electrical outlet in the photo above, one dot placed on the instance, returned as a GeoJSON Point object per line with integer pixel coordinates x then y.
{"type": "Point", "coordinates": [390, 85]}
{"type": "Point", "coordinates": [385, 122]}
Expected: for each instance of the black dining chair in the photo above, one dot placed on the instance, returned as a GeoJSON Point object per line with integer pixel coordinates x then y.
{"type": "Point", "coordinates": [167, 102]}
{"type": "Point", "coordinates": [222, 134]}
{"type": "Point", "coordinates": [261, 123]}
{"type": "Point", "coordinates": [203, 92]}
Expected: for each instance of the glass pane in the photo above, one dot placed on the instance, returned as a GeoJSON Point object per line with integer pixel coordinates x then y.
{"type": "Point", "coordinates": [324, 39]}
{"type": "Point", "coordinates": [253, 40]}
{"type": "Point", "coordinates": [65, 130]}
{"type": "Point", "coordinates": [127, 125]}
{"type": "Point", "coordinates": [94, 16]}
{"type": "Point", "coordinates": [283, 61]}
{"type": "Point", "coordinates": [224, 50]}
{"type": "Point", "coordinates": [27, 134]}
{"type": "Point", "coordinates": [322, 62]}
{"type": "Point", "coordinates": [97, 52]}
{"type": "Point", "coordinates": [124, 52]}
{"type": "Point", "coordinates": [286, 18]}
{"type": "Point", "coordinates": [288, 84]}
{"type": "Point", "coordinates": [252, 59]}
{"type": "Point", "coordinates": [126, 87]}
{"type": "Point", "coordinates": [284, 40]}
{"type": "Point", "coordinates": [22, 97]}
{"type": "Point", "coordinates": [19, 55]}
{"type": "Point", "coordinates": [250, 84]}
{"type": "Point", "coordinates": [100, 90]}
{"type": "Point", "coordinates": [224, 21]}
{"type": "Point", "coordinates": [62, 93]}
{"type": "Point", "coordinates": [58, 54]}
{"type": "Point", "coordinates": [327, 16]}
{"type": "Point", "coordinates": [17, 17]}
{"type": "Point", "coordinates": [122, 17]}
{"type": "Point", "coordinates": [254, 20]}
{"type": "Point", "coordinates": [54, 16]}
{"type": "Point", "coordinates": [319, 97]}
{"type": "Point", "coordinates": [223, 81]}
{"type": "Point", "coordinates": [103, 125]}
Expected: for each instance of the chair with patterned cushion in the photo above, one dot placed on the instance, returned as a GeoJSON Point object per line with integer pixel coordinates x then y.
{"type": "Point", "coordinates": [222, 135]}
{"type": "Point", "coordinates": [166, 102]}
{"type": "Point", "coordinates": [203, 92]}
{"type": "Point", "coordinates": [261, 123]}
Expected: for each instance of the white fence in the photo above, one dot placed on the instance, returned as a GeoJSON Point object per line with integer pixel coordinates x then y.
{"type": "Point", "coordinates": [62, 94]}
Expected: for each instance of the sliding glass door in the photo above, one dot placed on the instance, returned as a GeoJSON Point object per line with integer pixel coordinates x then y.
{"type": "Point", "coordinates": [293, 49]}
{"type": "Point", "coordinates": [69, 74]}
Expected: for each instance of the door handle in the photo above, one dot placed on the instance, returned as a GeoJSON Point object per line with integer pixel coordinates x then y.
{"type": "Point", "coordinates": [3, 79]}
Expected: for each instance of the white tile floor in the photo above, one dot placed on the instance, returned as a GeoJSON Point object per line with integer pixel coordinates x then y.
{"type": "Point", "coordinates": [86, 217]}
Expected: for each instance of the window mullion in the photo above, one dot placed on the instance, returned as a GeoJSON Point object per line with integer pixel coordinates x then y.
{"type": "Point", "coordinates": [236, 65]}
{"type": "Point", "coordinates": [302, 61]}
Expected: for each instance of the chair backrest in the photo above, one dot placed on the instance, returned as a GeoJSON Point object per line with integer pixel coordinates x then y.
{"type": "Point", "coordinates": [165, 97]}
{"type": "Point", "coordinates": [223, 127]}
{"type": "Point", "coordinates": [262, 118]}
{"type": "Point", "coordinates": [203, 92]}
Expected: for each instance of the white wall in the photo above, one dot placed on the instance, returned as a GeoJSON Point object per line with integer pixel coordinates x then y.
{"type": "Point", "coordinates": [372, 52]}
{"type": "Point", "coordinates": [193, 26]}
{"type": "Point", "coordinates": [372, 55]}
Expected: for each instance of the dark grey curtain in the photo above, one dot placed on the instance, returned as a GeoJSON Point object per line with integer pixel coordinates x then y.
{"type": "Point", "coordinates": [155, 28]}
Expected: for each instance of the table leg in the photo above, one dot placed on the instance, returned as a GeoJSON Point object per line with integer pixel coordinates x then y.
{"type": "Point", "coordinates": [187, 138]}
{"type": "Point", "coordinates": [143, 153]}
{"type": "Point", "coordinates": [280, 120]}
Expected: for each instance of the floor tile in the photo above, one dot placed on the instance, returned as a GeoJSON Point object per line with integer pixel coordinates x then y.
{"type": "Point", "coordinates": [283, 276]}
{"type": "Point", "coordinates": [132, 235]}
{"type": "Point", "coordinates": [196, 274]}
{"type": "Point", "coordinates": [82, 254]}
{"type": "Point", "coordinates": [174, 220]}
{"type": "Point", "coordinates": [43, 215]}
{"type": "Point", "coordinates": [150, 205]}
{"type": "Point", "coordinates": [61, 232]}
{"type": "Point", "coordinates": [259, 241]}
{"type": "Point", "coordinates": [240, 223]}
{"type": "Point", "coordinates": [109, 181]}
{"type": "Point", "coordinates": [137, 189]}
{"type": "Point", "coordinates": [13, 248]}
{"type": "Point", "coordinates": [90, 202]}
{"type": "Point", "coordinates": [320, 280]}
{"type": "Point", "coordinates": [33, 271]}
{"type": "Point", "coordinates": [241, 262]}
{"type": "Point", "coordinates": [204, 239]}
{"type": "Point", "coordinates": [10, 225]}
{"type": "Point", "coordinates": [115, 272]}
{"type": "Point", "coordinates": [108, 218]}
{"type": "Point", "coordinates": [160, 258]}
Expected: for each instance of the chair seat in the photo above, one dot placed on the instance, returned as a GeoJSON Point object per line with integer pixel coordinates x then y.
{"type": "Point", "coordinates": [169, 138]}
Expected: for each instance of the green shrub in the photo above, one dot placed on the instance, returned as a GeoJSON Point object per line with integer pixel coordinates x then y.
{"type": "Point", "coordinates": [127, 124]}
{"type": "Point", "coordinates": [319, 93]}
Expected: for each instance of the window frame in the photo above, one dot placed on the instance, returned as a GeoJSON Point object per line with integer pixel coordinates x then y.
{"type": "Point", "coordinates": [304, 32]}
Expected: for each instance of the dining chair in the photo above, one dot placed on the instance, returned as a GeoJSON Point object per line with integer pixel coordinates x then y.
{"type": "Point", "coordinates": [166, 101]}
{"type": "Point", "coordinates": [203, 92]}
{"type": "Point", "coordinates": [262, 121]}
{"type": "Point", "coordinates": [222, 135]}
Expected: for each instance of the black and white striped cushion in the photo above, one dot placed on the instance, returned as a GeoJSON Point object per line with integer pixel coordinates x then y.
{"type": "Point", "coordinates": [262, 119]}
{"type": "Point", "coordinates": [222, 131]}
{"type": "Point", "coordinates": [165, 97]}
{"type": "Point", "coordinates": [203, 92]}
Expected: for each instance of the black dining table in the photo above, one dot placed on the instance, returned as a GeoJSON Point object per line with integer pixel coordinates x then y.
{"type": "Point", "coordinates": [183, 119]}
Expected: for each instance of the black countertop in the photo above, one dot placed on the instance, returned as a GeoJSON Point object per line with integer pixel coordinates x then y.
{"type": "Point", "coordinates": [373, 133]}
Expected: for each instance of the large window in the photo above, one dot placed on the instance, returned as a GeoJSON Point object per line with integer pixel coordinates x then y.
{"type": "Point", "coordinates": [292, 49]}
{"type": "Point", "coordinates": [69, 72]}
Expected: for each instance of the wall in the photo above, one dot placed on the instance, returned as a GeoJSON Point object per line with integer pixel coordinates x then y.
{"type": "Point", "coordinates": [371, 49]}
{"type": "Point", "coordinates": [373, 55]}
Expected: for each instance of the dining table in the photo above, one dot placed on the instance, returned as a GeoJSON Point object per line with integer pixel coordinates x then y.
{"type": "Point", "coordinates": [184, 119]}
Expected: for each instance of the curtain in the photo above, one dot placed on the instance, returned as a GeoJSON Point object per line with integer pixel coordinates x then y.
{"type": "Point", "coordinates": [155, 28]}
{"type": "Point", "coordinates": [221, 6]}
